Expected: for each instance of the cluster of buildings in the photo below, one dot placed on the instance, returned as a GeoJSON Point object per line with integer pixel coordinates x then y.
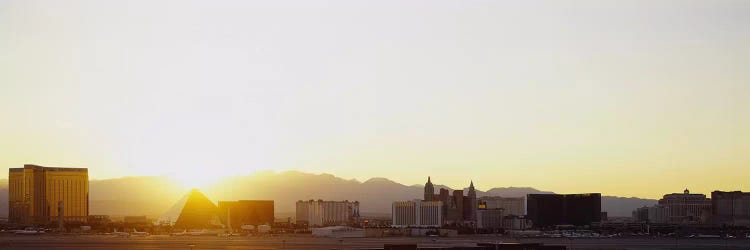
{"type": "Point", "coordinates": [51, 196]}
{"type": "Point", "coordinates": [436, 210]}
{"type": "Point", "coordinates": [488, 212]}
{"type": "Point", "coordinates": [54, 196]}
{"type": "Point", "coordinates": [723, 208]}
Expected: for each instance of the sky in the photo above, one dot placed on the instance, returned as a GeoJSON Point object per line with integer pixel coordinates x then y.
{"type": "Point", "coordinates": [628, 98]}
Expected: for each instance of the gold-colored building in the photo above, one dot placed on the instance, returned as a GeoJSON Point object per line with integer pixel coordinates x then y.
{"type": "Point", "coordinates": [37, 194]}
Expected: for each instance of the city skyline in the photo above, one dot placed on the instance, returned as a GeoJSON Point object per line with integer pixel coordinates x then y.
{"type": "Point", "coordinates": [625, 99]}
{"type": "Point", "coordinates": [175, 185]}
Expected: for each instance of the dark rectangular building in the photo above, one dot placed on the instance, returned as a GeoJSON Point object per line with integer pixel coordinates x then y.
{"type": "Point", "coordinates": [564, 209]}
{"type": "Point", "coordinates": [730, 208]}
{"type": "Point", "coordinates": [246, 212]}
{"type": "Point", "coordinates": [545, 209]}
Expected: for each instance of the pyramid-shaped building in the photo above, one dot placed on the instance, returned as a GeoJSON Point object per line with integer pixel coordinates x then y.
{"type": "Point", "coordinates": [196, 212]}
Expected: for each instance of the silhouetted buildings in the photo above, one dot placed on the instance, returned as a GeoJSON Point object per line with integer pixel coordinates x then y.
{"type": "Point", "coordinates": [42, 195]}
{"type": "Point", "coordinates": [564, 209]}
{"type": "Point", "coordinates": [730, 208]}
{"type": "Point", "coordinates": [685, 207]}
{"type": "Point", "coordinates": [327, 213]}
{"type": "Point", "coordinates": [457, 208]}
{"type": "Point", "coordinates": [234, 214]}
{"type": "Point", "coordinates": [678, 208]}
{"type": "Point", "coordinates": [417, 213]}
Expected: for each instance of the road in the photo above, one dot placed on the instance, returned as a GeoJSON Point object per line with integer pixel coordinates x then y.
{"type": "Point", "coordinates": [305, 242]}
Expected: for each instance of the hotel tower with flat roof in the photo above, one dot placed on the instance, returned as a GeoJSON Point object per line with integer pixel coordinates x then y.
{"type": "Point", "coordinates": [42, 195]}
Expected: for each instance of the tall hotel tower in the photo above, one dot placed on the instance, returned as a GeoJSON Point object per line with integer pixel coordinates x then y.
{"type": "Point", "coordinates": [43, 195]}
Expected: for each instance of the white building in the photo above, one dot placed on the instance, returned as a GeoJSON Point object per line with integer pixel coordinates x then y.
{"type": "Point", "coordinates": [327, 213]}
{"type": "Point", "coordinates": [510, 205]}
{"type": "Point", "coordinates": [417, 213]}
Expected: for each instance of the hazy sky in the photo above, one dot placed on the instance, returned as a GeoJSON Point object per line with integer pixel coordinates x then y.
{"type": "Point", "coordinates": [632, 98]}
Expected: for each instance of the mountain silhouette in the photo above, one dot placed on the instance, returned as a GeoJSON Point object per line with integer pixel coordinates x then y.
{"type": "Point", "coordinates": [154, 196]}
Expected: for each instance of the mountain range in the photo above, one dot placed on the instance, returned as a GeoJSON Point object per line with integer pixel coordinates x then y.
{"type": "Point", "coordinates": [153, 196]}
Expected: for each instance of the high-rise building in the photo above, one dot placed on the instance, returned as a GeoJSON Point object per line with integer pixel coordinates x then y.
{"type": "Point", "coordinates": [582, 209]}
{"type": "Point", "coordinates": [234, 214]}
{"type": "Point", "coordinates": [470, 204]}
{"type": "Point", "coordinates": [510, 205]}
{"type": "Point", "coordinates": [456, 208]}
{"type": "Point", "coordinates": [564, 209]}
{"type": "Point", "coordinates": [417, 213]}
{"type": "Point", "coordinates": [685, 207]}
{"type": "Point", "coordinates": [327, 213]}
{"type": "Point", "coordinates": [546, 209]}
{"type": "Point", "coordinates": [42, 195]}
{"type": "Point", "coordinates": [444, 195]}
{"type": "Point", "coordinates": [429, 190]}
{"type": "Point", "coordinates": [731, 208]}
